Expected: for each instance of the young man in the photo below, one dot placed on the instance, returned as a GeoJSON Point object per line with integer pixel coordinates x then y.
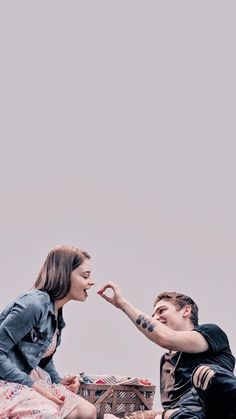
{"type": "Point", "coordinates": [197, 379]}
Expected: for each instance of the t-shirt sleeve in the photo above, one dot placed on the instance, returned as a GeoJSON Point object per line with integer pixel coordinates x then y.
{"type": "Point", "coordinates": [215, 337]}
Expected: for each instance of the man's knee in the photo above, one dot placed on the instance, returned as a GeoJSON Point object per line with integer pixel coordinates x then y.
{"type": "Point", "coordinates": [202, 377]}
{"type": "Point", "coordinates": [184, 413]}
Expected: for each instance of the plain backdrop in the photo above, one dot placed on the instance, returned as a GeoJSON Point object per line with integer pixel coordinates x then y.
{"type": "Point", "coordinates": [118, 136]}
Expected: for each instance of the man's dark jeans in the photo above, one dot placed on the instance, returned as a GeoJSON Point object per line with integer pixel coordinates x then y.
{"type": "Point", "coordinates": [219, 398]}
{"type": "Point", "coordinates": [217, 401]}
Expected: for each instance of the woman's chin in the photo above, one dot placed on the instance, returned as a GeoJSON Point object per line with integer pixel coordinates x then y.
{"type": "Point", "coordinates": [80, 298]}
{"type": "Point", "coordinates": [84, 297]}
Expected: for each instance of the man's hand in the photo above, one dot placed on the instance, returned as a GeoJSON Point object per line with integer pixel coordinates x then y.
{"type": "Point", "coordinates": [117, 299]}
{"type": "Point", "coordinates": [47, 393]}
{"type": "Point", "coordinates": [71, 382]}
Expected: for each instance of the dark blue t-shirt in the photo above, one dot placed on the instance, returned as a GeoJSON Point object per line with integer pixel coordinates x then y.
{"type": "Point", "coordinates": [177, 368]}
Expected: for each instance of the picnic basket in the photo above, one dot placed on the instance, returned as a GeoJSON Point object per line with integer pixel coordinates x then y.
{"type": "Point", "coordinates": [118, 396]}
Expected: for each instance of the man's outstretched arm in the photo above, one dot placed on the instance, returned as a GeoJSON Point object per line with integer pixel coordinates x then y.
{"type": "Point", "coordinates": [182, 341]}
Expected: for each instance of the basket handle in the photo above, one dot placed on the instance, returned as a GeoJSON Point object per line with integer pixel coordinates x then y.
{"type": "Point", "coordinates": [104, 395]}
{"type": "Point", "coordinates": [145, 402]}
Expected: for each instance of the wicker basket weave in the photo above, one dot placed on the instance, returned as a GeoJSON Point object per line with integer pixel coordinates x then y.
{"type": "Point", "coordinates": [118, 399]}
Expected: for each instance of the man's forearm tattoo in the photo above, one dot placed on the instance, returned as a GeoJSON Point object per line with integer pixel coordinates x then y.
{"type": "Point", "coordinates": [145, 323]}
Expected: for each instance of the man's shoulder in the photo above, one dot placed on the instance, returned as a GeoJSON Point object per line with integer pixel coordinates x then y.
{"type": "Point", "coordinates": [209, 328]}
{"type": "Point", "coordinates": [214, 335]}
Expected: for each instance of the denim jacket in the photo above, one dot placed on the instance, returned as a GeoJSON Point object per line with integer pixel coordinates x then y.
{"type": "Point", "coordinates": [27, 326]}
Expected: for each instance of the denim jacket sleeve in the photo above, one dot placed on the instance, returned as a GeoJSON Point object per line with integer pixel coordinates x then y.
{"type": "Point", "coordinates": [24, 314]}
{"type": "Point", "coordinates": [50, 368]}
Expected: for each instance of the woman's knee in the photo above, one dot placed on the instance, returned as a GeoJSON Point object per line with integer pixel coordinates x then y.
{"type": "Point", "coordinates": [84, 410]}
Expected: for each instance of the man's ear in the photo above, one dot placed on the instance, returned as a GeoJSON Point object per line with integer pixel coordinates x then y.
{"type": "Point", "coordinates": [187, 310]}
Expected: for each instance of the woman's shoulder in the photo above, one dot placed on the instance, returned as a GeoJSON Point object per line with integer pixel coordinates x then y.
{"type": "Point", "coordinates": [34, 302]}
{"type": "Point", "coordinates": [38, 299]}
{"type": "Point", "coordinates": [34, 296]}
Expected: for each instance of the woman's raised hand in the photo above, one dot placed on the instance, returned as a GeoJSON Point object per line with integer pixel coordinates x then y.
{"type": "Point", "coordinates": [71, 382]}
{"type": "Point", "coordinates": [116, 299]}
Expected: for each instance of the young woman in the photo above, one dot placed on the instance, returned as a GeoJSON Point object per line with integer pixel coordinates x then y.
{"type": "Point", "coordinates": [30, 331]}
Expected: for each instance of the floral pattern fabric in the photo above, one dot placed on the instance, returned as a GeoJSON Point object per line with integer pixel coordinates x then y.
{"type": "Point", "coordinates": [20, 401]}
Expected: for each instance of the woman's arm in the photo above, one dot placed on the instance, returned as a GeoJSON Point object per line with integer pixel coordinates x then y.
{"type": "Point", "coordinates": [23, 316]}
{"type": "Point", "coordinates": [51, 370]}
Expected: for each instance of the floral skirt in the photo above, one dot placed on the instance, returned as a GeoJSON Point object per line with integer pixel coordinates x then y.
{"type": "Point", "coordinates": [20, 401]}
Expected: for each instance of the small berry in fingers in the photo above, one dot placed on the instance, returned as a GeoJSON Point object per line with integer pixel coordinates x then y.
{"type": "Point", "coordinates": [100, 291]}
{"type": "Point", "coordinates": [62, 398]}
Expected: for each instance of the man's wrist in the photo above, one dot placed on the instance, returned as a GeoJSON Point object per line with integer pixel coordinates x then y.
{"type": "Point", "coordinates": [123, 305]}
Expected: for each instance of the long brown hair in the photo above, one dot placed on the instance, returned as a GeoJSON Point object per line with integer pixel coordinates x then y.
{"type": "Point", "coordinates": [54, 276]}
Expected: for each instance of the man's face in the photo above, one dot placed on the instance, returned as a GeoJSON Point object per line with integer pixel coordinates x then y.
{"type": "Point", "coordinates": [167, 313]}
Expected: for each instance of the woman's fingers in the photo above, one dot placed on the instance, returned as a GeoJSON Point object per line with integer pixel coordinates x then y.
{"type": "Point", "coordinates": [48, 394]}
{"type": "Point", "coordinates": [56, 400]}
{"type": "Point", "coordinates": [74, 387]}
{"type": "Point", "coordinates": [71, 382]}
{"type": "Point", "coordinates": [70, 378]}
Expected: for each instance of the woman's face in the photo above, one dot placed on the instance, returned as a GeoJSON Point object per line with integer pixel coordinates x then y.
{"type": "Point", "coordinates": [81, 281]}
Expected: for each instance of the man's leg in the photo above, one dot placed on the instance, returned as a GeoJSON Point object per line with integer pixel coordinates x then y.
{"type": "Point", "coordinates": [184, 413]}
{"type": "Point", "coordinates": [188, 406]}
{"type": "Point", "coordinates": [217, 388]}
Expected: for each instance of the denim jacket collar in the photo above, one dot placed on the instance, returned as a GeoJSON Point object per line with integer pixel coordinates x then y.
{"type": "Point", "coordinates": [60, 321]}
